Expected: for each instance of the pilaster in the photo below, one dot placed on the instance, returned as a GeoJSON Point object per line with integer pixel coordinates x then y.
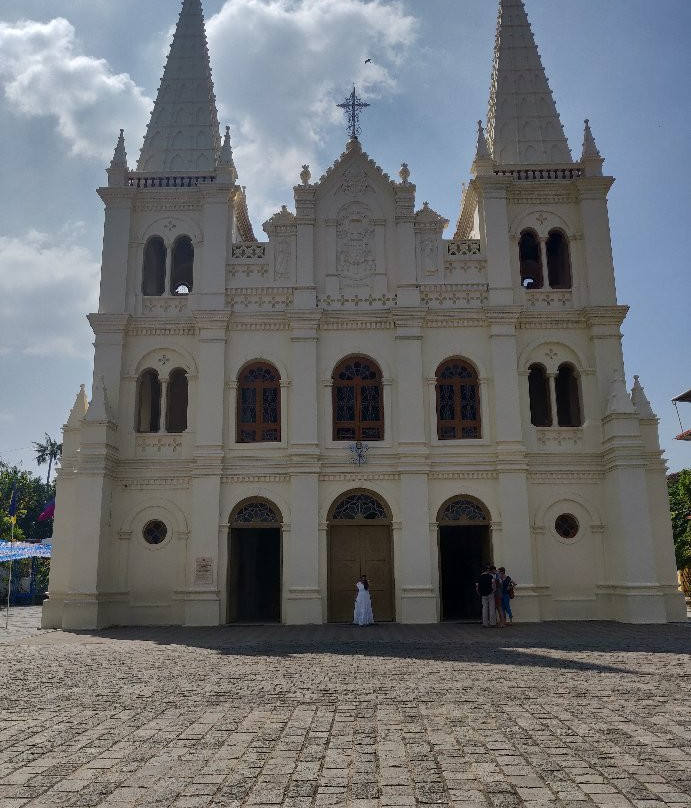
{"type": "Point", "coordinates": [494, 222]}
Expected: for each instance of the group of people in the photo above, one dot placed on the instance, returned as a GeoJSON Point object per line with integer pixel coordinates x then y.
{"type": "Point", "coordinates": [494, 586]}
{"type": "Point", "coordinates": [496, 589]}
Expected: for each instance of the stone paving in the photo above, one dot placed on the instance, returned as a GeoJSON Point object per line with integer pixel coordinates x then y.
{"type": "Point", "coordinates": [538, 715]}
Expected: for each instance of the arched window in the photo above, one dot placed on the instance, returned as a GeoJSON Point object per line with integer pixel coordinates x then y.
{"type": "Point", "coordinates": [538, 390]}
{"type": "Point", "coordinates": [176, 404]}
{"type": "Point", "coordinates": [149, 402]}
{"type": "Point", "coordinates": [358, 400]}
{"type": "Point", "coordinates": [558, 261]}
{"type": "Point", "coordinates": [458, 401]}
{"type": "Point", "coordinates": [259, 404]}
{"type": "Point", "coordinates": [154, 268]}
{"type": "Point", "coordinates": [568, 396]}
{"type": "Point", "coordinates": [181, 275]}
{"type": "Point", "coordinates": [531, 260]}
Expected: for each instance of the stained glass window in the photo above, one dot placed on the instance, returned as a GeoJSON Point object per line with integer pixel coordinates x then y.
{"type": "Point", "coordinates": [154, 532]}
{"type": "Point", "coordinates": [359, 506]}
{"type": "Point", "coordinates": [259, 404]}
{"type": "Point", "coordinates": [458, 401]}
{"type": "Point", "coordinates": [463, 510]}
{"type": "Point", "coordinates": [257, 512]}
{"type": "Point", "coordinates": [357, 400]}
{"type": "Point", "coordinates": [566, 526]}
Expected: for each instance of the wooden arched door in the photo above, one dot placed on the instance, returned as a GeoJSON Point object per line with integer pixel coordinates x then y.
{"type": "Point", "coordinates": [360, 543]}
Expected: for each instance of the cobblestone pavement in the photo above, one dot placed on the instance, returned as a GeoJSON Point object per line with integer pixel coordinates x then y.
{"type": "Point", "coordinates": [538, 715]}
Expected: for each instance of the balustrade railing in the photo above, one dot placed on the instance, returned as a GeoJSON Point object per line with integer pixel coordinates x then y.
{"type": "Point", "coordinates": [529, 174]}
{"type": "Point", "coordinates": [249, 250]}
{"type": "Point", "coordinates": [137, 181]}
{"type": "Point", "coordinates": [466, 246]}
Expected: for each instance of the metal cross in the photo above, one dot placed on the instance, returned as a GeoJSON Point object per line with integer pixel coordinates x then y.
{"type": "Point", "coordinates": [352, 106]}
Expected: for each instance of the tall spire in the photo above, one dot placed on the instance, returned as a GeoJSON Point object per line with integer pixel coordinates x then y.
{"type": "Point", "coordinates": [523, 125]}
{"type": "Point", "coordinates": [183, 133]}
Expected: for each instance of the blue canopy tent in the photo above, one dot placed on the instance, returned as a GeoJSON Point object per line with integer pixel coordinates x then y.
{"type": "Point", "coordinates": [17, 551]}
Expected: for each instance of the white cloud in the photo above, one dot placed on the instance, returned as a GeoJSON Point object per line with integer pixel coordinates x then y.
{"type": "Point", "coordinates": [44, 72]}
{"type": "Point", "coordinates": [49, 282]}
{"type": "Point", "coordinates": [284, 64]}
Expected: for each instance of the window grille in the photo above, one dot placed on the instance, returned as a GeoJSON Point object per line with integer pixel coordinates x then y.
{"type": "Point", "coordinates": [359, 506]}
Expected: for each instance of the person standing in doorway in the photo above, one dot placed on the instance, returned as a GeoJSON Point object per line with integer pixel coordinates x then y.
{"type": "Point", "coordinates": [507, 588]}
{"type": "Point", "coordinates": [363, 615]}
{"type": "Point", "coordinates": [485, 586]}
{"type": "Point", "coordinates": [498, 591]}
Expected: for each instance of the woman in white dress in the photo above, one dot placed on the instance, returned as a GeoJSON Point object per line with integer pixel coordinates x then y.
{"type": "Point", "coordinates": [363, 604]}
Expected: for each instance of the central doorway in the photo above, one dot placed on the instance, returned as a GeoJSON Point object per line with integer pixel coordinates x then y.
{"type": "Point", "coordinates": [464, 548]}
{"type": "Point", "coordinates": [254, 594]}
{"type": "Point", "coordinates": [360, 543]}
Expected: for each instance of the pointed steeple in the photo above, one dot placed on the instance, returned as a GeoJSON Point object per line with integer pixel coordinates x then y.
{"type": "Point", "coordinates": [523, 125]}
{"type": "Point", "coordinates": [183, 133]}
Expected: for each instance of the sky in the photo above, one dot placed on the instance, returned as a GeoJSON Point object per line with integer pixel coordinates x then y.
{"type": "Point", "coordinates": [73, 72]}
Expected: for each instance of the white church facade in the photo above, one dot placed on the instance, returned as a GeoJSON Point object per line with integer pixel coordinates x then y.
{"type": "Point", "coordinates": [356, 393]}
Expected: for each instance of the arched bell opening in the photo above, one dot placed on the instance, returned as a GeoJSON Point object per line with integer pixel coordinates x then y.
{"type": "Point", "coordinates": [255, 563]}
{"type": "Point", "coordinates": [465, 546]}
{"type": "Point", "coordinates": [360, 542]}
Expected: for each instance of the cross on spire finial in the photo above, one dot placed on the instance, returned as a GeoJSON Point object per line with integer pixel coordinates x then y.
{"type": "Point", "coordinates": [352, 106]}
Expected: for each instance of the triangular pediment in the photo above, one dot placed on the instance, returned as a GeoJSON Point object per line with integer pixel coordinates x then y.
{"type": "Point", "coordinates": [354, 178]}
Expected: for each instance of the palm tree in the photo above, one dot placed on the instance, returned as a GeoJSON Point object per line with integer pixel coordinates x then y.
{"type": "Point", "coordinates": [47, 452]}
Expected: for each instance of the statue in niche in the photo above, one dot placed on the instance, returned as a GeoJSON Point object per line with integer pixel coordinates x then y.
{"type": "Point", "coordinates": [283, 256]}
{"type": "Point", "coordinates": [355, 259]}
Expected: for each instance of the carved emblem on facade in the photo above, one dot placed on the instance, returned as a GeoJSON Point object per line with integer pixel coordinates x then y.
{"type": "Point", "coordinates": [429, 252]}
{"type": "Point", "coordinates": [354, 181]}
{"type": "Point", "coordinates": [355, 240]}
{"type": "Point", "coordinates": [284, 252]}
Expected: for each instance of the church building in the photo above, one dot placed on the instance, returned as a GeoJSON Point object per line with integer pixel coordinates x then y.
{"type": "Point", "coordinates": [355, 393]}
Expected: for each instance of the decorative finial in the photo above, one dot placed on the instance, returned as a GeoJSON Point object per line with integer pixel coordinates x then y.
{"type": "Point", "coordinates": [619, 401]}
{"type": "Point", "coordinates": [120, 156]}
{"type": "Point", "coordinates": [305, 175]}
{"type": "Point", "coordinates": [226, 165]}
{"type": "Point", "coordinates": [352, 106]}
{"type": "Point", "coordinates": [404, 173]}
{"type": "Point", "coordinates": [99, 407]}
{"type": "Point", "coordinates": [640, 400]}
{"type": "Point", "coordinates": [590, 149]}
{"type": "Point", "coordinates": [79, 408]}
{"type": "Point", "coordinates": [482, 151]}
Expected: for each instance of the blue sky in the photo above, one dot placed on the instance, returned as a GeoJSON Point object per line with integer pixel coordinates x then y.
{"type": "Point", "coordinates": [72, 72]}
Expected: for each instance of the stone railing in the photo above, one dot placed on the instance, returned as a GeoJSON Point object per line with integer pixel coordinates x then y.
{"type": "Point", "coordinates": [140, 181]}
{"type": "Point", "coordinates": [466, 246]}
{"type": "Point", "coordinates": [249, 251]}
{"type": "Point", "coordinates": [530, 174]}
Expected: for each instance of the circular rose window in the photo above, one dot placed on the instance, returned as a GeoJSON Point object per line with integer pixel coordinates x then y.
{"type": "Point", "coordinates": [154, 532]}
{"type": "Point", "coordinates": [566, 526]}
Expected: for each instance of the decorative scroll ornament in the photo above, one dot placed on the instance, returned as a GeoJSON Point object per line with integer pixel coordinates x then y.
{"type": "Point", "coordinates": [354, 181]}
{"type": "Point", "coordinates": [358, 451]}
{"type": "Point", "coordinates": [355, 243]}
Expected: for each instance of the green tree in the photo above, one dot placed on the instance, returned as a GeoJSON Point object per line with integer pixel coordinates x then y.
{"type": "Point", "coordinates": [47, 452]}
{"type": "Point", "coordinates": [32, 496]}
{"type": "Point", "coordinates": [679, 487]}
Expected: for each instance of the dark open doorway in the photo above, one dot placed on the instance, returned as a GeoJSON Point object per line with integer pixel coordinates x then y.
{"type": "Point", "coordinates": [462, 552]}
{"type": "Point", "coordinates": [255, 575]}
{"type": "Point", "coordinates": [464, 547]}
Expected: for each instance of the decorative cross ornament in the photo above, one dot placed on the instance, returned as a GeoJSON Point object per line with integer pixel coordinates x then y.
{"type": "Point", "coordinates": [352, 106]}
{"type": "Point", "coordinates": [359, 451]}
